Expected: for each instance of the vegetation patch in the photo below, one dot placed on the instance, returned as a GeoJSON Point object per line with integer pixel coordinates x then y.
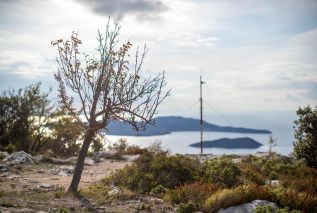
{"type": "Point", "coordinates": [152, 170]}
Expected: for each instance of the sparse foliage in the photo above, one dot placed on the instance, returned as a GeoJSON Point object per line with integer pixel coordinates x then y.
{"type": "Point", "coordinates": [107, 87]}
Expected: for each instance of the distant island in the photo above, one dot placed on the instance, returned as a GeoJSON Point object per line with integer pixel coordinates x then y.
{"type": "Point", "coordinates": [230, 143]}
{"type": "Point", "coordinates": [168, 124]}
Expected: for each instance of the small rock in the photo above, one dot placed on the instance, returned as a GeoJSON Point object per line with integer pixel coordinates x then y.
{"type": "Point", "coordinates": [89, 162]}
{"type": "Point", "coordinates": [273, 182]}
{"type": "Point", "coordinates": [39, 159]}
{"type": "Point", "coordinates": [130, 158]}
{"type": "Point", "coordinates": [62, 173]}
{"type": "Point", "coordinates": [19, 157]}
{"type": "Point", "coordinates": [45, 186]}
{"type": "Point", "coordinates": [114, 191]}
{"type": "Point", "coordinates": [67, 169]}
{"type": "Point", "coordinates": [12, 177]}
{"type": "Point", "coordinates": [41, 211]}
{"type": "Point", "coordinates": [4, 168]}
{"type": "Point", "coordinates": [237, 160]}
{"type": "Point", "coordinates": [35, 181]}
{"type": "Point", "coordinates": [104, 154]}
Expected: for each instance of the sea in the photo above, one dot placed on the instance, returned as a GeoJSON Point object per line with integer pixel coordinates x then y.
{"type": "Point", "coordinates": [280, 124]}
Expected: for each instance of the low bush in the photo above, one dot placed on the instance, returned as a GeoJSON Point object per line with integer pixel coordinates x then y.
{"type": "Point", "coordinates": [251, 174]}
{"type": "Point", "coordinates": [151, 170]}
{"type": "Point", "coordinates": [271, 209]}
{"type": "Point", "coordinates": [60, 192]}
{"type": "Point", "coordinates": [134, 150]}
{"type": "Point", "coordinates": [196, 193]}
{"type": "Point", "coordinates": [222, 171]}
{"type": "Point", "coordinates": [102, 192]}
{"type": "Point", "coordinates": [188, 207]}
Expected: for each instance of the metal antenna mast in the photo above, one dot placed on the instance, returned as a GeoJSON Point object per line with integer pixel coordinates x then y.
{"type": "Point", "coordinates": [201, 117]}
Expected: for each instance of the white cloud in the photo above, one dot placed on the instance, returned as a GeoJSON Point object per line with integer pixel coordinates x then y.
{"type": "Point", "coordinates": [239, 46]}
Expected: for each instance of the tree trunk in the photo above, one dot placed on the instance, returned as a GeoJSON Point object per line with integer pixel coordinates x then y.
{"type": "Point", "coordinates": [80, 161]}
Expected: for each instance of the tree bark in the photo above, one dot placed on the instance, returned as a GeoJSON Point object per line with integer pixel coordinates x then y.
{"type": "Point", "coordinates": [80, 161]}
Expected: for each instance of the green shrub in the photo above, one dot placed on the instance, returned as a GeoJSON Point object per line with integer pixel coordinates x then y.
{"type": "Point", "coordinates": [196, 192]}
{"type": "Point", "coordinates": [221, 171]}
{"type": "Point", "coordinates": [10, 148]}
{"type": "Point", "coordinates": [100, 192]}
{"type": "Point", "coordinates": [151, 170]}
{"type": "Point", "coordinates": [271, 209]}
{"type": "Point", "coordinates": [265, 209]}
{"type": "Point", "coordinates": [60, 192]}
{"type": "Point", "coordinates": [158, 190]}
{"type": "Point", "coordinates": [187, 207]}
{"type": "Point", "coordinates": [252, 174]}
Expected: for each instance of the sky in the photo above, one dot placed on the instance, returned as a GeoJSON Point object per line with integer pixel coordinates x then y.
{"type": "Point", "coordinates": [256, 57]}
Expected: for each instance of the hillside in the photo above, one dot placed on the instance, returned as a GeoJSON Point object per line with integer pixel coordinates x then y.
{"type": "Point", "coordinates": [168, 124]}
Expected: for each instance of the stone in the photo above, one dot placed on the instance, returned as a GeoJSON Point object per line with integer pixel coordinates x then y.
{"type": "Point", "coordinates": [13, 177]}
{"type": "Point", "coordinates": [247, 207]}
{"type": "Point", "coordinates": [114, 191]}
{"type": "Point", "coordinates": [4, 167]}
{"type": "Point", "coordinates": [39, 159]}
{"type": "Point", "coordinates": [89, 162]}
{"type": "Point", "coordinates": [104, 154]}
{"type": "Point", "coordinates": [130, 158]}
{"type": "Point", "coordinates": [19, 157]}
{"type": "Point", "coordinates": [35, 181]}
{"type": "Point", "coordinates": [45, 186]}
{"type": "Point", "coordinates": [273, 182]}
{"type": "Point", "coordinates": [237, 160]}
{"type": "Point", "coordinates": [68, 169]}
{"type": "Point", "coordinates": [62, 173]}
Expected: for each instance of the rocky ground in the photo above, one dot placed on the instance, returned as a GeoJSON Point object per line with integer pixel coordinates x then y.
{"type": "Point", "coordinates": [28, 184]}
{"type": "Point", "coordinates": [39, 185]}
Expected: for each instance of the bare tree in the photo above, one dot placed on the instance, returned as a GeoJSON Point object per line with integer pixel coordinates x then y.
{"type": "Point", "coordinates": [107, 87]}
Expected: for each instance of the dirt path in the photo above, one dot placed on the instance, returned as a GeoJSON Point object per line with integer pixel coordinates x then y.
{"type": "Point", "coordinates": [90, 174]}
{"type": "Point", "coordinates": [23, 177]}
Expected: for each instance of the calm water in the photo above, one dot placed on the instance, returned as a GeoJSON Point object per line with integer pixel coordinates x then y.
{"type": "Point", "coordinates": [178, 142]}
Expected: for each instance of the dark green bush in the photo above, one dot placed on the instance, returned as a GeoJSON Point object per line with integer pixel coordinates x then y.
{"type": "Point", "coordinates": [187, 207]}
{"type": "Point", "coordinates": [221, 171]}
{"type": "Point", "coordinates": [158, 190]}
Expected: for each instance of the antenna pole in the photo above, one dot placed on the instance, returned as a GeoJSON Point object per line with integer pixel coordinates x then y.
{"type": "Point", "coordinates": [201, 118]}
